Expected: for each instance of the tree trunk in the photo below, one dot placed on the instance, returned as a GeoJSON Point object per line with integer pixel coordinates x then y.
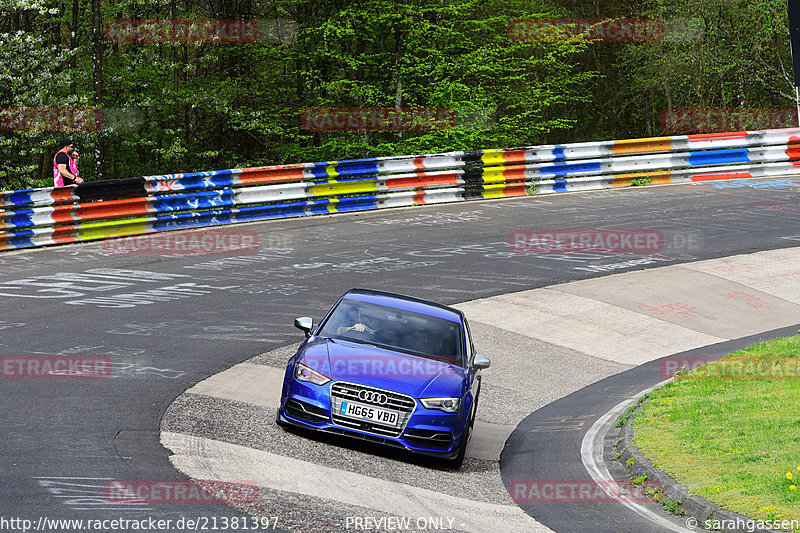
{"type": "Point", "coordinates": [97, 61]}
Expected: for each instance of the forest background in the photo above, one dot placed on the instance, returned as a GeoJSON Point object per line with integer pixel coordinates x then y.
{"type": "Point", "coordinates": [208, 104]}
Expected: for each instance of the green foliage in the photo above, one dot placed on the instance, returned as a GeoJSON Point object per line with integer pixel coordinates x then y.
{"type": "Point", "coordinates": [623, 418]}
{"type": "Point", "coordinates": [731, 439]}
{"type": "Point", "coordinates": [673, 507]}
{"type": "Point", "coordinates": [198, 106]}
{"type": "Point", "coordinates": [655, 493]}
{"type": "Point", "coordinates": [180, 107]}
{"type": "Point", "coordinates": [715, 54]}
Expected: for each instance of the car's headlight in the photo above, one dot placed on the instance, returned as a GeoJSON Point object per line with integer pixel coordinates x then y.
{"type": "Point", "coordinates": [304, 373]}
{"type": "Point", "coordinates": [448, 405]}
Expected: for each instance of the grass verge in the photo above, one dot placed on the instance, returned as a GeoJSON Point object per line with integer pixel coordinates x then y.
{"type": "Point", "coordinates": [730, 430]}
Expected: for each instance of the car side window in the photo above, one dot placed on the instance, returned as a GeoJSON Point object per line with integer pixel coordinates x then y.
{"type": "Point", "coordinates": [470, 355]}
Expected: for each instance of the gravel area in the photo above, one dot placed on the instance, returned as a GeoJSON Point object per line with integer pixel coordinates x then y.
{"type": "Point", "coordinates": [293, 512]}
{"type": "Point", "coordinates": [254, 427]}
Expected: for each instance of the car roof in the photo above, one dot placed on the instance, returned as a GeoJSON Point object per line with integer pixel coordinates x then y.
{"type": "Point", "coordinates": [406, 303]}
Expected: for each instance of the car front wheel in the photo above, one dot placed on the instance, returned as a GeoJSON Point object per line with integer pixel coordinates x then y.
{"type": "Point", "coordinates": [458, 460]}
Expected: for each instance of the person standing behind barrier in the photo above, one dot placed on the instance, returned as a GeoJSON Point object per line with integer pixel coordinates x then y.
{"type": "Point", "coordinates": [65, 169]}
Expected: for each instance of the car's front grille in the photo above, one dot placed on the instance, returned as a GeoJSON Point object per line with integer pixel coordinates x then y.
{"type": "Point", "coordinates": [427, 438]}
{"type": "Point", "coordinates": [306, 411]}
{"type": "Point", "coordinates": [400, 403]}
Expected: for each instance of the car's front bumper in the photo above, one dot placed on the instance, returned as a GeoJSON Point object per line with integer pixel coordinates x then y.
{"type": "Point", "coordinates": [427, 431]}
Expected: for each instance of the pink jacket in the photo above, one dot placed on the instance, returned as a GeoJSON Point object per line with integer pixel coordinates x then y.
{"type": "Point", "coordinates": [58, 179]}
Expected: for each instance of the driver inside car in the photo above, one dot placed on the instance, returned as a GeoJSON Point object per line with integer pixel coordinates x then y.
{"type": "Point", "coordinates": [367, 323]}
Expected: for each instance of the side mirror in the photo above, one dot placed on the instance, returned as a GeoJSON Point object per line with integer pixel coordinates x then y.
{"type": "Point", "coordinates": [304, 323]}
{"type": "Point", "coordinates": [480, 362]}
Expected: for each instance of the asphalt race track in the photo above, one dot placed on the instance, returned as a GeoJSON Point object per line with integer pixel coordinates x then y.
{"type": "Point", "coordinates": [168, 322]}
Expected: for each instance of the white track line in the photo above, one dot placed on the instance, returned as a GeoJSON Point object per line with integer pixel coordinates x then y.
{"type": "Point", "coordinates": [203, 458]}
{"type": "Point", "coordinates": [592, 456]}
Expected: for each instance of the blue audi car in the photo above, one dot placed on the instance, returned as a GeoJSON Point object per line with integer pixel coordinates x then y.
{"type": "Point", "coordinates": [387, 368]}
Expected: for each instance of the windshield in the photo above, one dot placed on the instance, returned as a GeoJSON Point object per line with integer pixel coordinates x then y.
{"type": "Point", "coordinates": [396, 329]}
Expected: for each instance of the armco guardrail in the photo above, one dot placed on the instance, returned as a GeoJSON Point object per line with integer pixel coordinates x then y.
{"type": "Point", "coordinates": [115, 208]}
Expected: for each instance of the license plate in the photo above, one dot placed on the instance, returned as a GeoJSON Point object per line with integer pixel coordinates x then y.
{"type": "Point", "coordinates": [368, 412]}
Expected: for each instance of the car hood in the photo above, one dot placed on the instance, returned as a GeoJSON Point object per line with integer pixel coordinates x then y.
{"type": "Point", "coordinates": [369, 365]}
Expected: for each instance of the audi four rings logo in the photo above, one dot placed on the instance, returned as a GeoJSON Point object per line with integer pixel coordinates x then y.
{"type": "Point", "coordinates": [373, 397]}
